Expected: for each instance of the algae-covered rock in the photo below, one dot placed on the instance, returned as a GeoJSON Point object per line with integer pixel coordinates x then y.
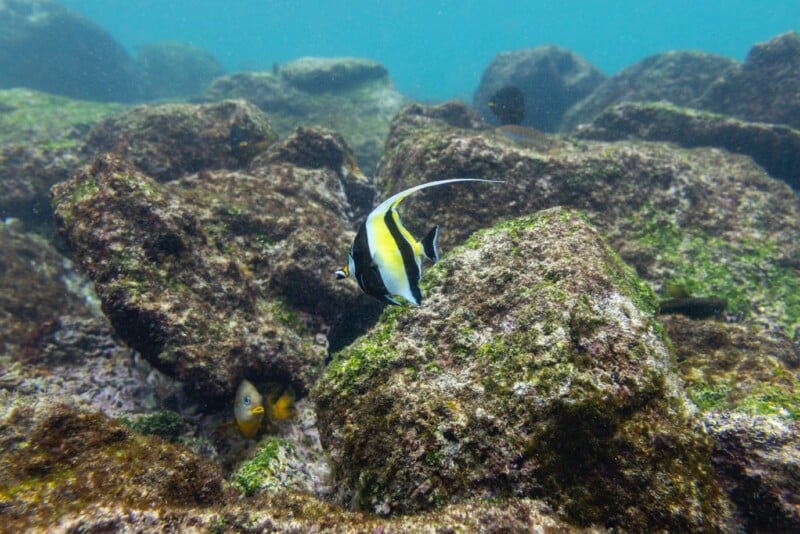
{"type": "Point", "coordinates": [46, 120]}
{"type": "Point", "coordinates": [62, 468]}
{"type": "Point", "coordinates": [321, 75]}
{"type": "Point", "coordinates": [535, 368]}
{"type": "Point", "coordinates": [679, 77]}
{"type": "Point", "coordinates": [706, 219]}
{"type": "Point", "coordinates": [172, 140]}
{"type": "Point", "coordinates": [737, 366]}
{"type": "Point", "coordinates": [551, 79]}
{"type": "Point", "coordinates": [774, 147]}
{"type": "Point", "coordinates": [40, 136]}
{"type": "Point", "coordinates": [757, 459]}
{"type": "Point", "coordinates": [744, 378]}
{"type": "Point", "coordinates": [174, 292]}
{"type": "Point", "coordinates": [35, 288]}
{"type": "Point", "coordinates": [57, 460]}
{"type": "Point", "coordinates": [766, 87]}
{"type": "Point", "coordinates": [353, 96]}
{"type": "Point", "coordinates": [48, 47]}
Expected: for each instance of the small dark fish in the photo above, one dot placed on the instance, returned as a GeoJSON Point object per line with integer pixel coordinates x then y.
{"type": "Point", "coordinates": [694, 307]}
{"type": "Point", "coordinates": [245, 145]}
{"type": "Point", "coordinates": [508, 105]}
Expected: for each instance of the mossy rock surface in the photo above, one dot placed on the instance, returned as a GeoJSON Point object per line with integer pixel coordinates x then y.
{"type": "Point", "coordinates": [83, 472]}
{"type": "Point", "coordinates": [534, 367]}
{"type": "Point", "coordinates": [774, 147]}
{"type": "Point", "coordinates": [703, 218]}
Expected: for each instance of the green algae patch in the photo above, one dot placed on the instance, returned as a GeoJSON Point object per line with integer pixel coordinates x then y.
{"type": "Point", "coordinates": [53, 121]}
{"type": "Point", "coordinates": [165, 424]}
{"type": "Point", "coordinates": [255, 473]}
{"type": "Point", "coordinates": [740, 269]}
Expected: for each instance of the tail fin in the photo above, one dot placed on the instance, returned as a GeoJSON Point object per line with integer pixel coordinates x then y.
{"type": "Point", "coordinates": [430, 245]}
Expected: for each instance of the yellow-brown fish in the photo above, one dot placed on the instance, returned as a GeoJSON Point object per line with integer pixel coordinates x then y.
{"type": "Point", "coordinates": [248, 409]}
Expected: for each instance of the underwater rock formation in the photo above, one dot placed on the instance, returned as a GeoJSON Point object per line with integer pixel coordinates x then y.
{"type": "Point", "coordinates": [678, 77]}
{"type": "Point", "coordinates": [173, 140]}
{"type": "Point", "coordinates": [324, 75]}
{"type": "Point", "coordinates": [206, 275]}
{"type": "Point", "coordinates": [191, 310]}
{"type": "Point", "coordinates": [535, 369]}
{"type": "Point", "coordinates": [40, 138]}
{"type": "Point", "coordinates": [353, 96]}
{"type": "Point", "coordinates": [174, 70]}
{"type": "Point", "coordinates": [757, 458]}
{"type": "Point", "coordinates": [706, 219]}
{"type": "Point", "coordinates": [551, 79]}
{"type": "Point", "coordinates": [47, 47]}
{"type": "Point", "coordinates": [85, 472]}
{"type": "Point", "coordinates": [774, 147]}
{"type": "Point", "coordinates": [765, 88]}
{"type": "Point", "coordinates": [58, 460]}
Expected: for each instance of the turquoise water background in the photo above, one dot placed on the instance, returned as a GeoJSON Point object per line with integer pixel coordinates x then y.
{"type": "Point", "coordinates": [436, 50]}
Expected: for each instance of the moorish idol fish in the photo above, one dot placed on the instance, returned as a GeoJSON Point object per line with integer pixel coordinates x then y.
{"type": "Point", "coordinates": [385, 259]}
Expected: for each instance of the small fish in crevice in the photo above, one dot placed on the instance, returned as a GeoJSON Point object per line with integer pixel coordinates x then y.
{"type": "Point", "coordinates": [385, 259]}
{"type": "Point", "coordinates": [250, 409]}
{"type": "Point", "coordinates": [683, 303]}
{"type": "Point", "coordinates": [508, 105]}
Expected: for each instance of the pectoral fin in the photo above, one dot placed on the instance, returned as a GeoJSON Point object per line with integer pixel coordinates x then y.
{"type": "Point", "coordinates": [430, 245]}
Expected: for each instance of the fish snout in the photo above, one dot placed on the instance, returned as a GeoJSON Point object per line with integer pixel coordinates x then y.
{"type": "Point", "coordinates": [342, 273]}
{"type": "Point", "coordinates": [256, 410]}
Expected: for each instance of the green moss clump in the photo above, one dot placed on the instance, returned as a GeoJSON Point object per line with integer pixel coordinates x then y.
{"type": "Point", "coordinates": [165, 424]}
{"type": "Point", "coordinates": [252, 474]}
{"type": "Point", "coordinates": [54, 122]}
{"type": "Point", "coordinates": [765, 399]}
{"type": "Point", "coordinates": [743, 272]}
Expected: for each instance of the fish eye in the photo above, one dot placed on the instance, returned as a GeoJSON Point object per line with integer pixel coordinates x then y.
{"type": "Point", "coordinates": [246, 400]}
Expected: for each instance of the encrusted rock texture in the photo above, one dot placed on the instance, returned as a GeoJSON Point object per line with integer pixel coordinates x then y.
{"type": "Point", "coordinates": [196, 275]}
{"type": "Point", "coordinates": [773, 146]}
{"type": "Point", "coordinates": [679, 77]}
{"type": "Point", "coordinates": [709, 220]}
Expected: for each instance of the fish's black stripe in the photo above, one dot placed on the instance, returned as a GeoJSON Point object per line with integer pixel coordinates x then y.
{"type": "Point", "coordinates": [407, 253]}
{"type": "Point", "coordinates": [366, 273]}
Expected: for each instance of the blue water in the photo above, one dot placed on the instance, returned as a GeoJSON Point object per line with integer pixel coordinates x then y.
{"type": "Point", "coordinates": [436, 50]}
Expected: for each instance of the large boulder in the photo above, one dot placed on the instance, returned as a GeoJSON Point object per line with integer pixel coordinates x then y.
{"type": "Point", "coordinates": [678, 77]}
{"type": "Point", "coordinates": [551, 79]}
{"type": "Point", "coordinates": [173, 140]}
{"type": "Point", "coordinates": [535, 368]}
{"type": "Point", "coordinates": [353, 96]}
{"type": "Point", "coordinates": [170, 289]}
{"type": "Point", "coordinates": [765, 87]}
{"type": "Point", "coordinates": [47, 47]}
{"type": "Point", "coordinates": [774, 147]}
{"type": "Point", "coordinates": [221, 274]}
